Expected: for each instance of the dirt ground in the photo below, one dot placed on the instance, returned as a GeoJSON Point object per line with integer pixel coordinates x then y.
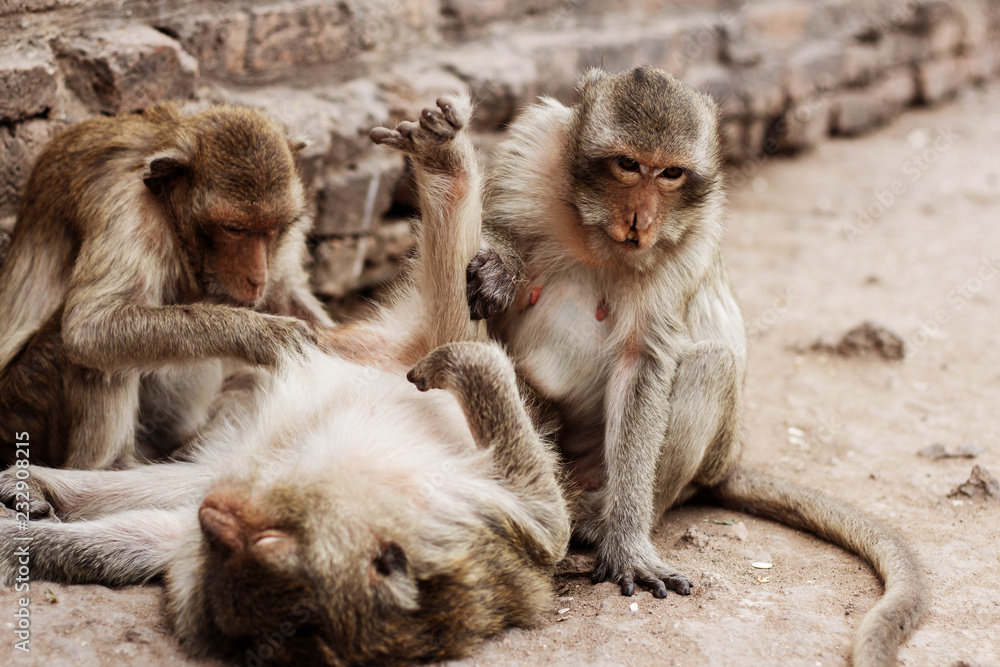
{"type": "Point", "coordinates": [924, 262]}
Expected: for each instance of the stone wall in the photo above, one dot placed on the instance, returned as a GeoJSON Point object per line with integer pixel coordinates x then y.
{"type": "Point", "coordinates": [788, 74]}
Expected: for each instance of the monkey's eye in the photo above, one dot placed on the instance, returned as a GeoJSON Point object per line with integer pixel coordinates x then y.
{"type": "Point", "coordinates": [673, 173]}
{"type": "Point", "coordinates": [235, 230]}
{"type": "Point", "coordinates": [627, 163]}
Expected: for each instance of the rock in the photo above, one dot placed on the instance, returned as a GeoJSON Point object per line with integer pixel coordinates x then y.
{"type": "Point", "coordinates": [695, 538]}
{"type": "Point", "coordinates": [127, 70]}
{"type": "Point", "coordinates": [865, 339]}
{"type": "Point", "coordinates": [981, 486]}
{"type": "Point", "coordinates": [28, 82]}
{"type": "Point", "coordinates": [737, 531]}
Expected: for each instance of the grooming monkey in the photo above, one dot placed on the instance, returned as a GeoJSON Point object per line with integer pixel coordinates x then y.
{"type": "Point", "coordinates": [143, 244]}
{"type": "Point", "coordinates": [332, 513]}
{"type": "Point", "coordinates": [601, 271]}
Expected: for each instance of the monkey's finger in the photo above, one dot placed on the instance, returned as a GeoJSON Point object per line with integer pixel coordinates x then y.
{"type": "Point", "coordinates": [383, 135]}
{"type": "Point", "coordinates": [599, 574]}
{"type": "Point", "coordinates": [678, 583]}
{"type": "Point", "coordinates": [628, 585]}
{"type": "Point", "coordinates": [660, 589]}
{"type": "Point", "coordinates": [434, 123]}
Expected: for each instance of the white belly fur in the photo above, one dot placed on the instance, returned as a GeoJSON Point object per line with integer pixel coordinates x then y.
{"type": "Point", "coordinates": [561, 347]}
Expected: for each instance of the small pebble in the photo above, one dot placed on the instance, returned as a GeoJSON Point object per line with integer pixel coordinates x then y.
{"type": "Point", "coordinates": [634, 606]}
{"type": "Point", "coordinates": [761, 565]}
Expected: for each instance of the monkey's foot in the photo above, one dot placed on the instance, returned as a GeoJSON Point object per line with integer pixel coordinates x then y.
{"type": "Point", "coordinates": [426, 138]}
{"type": "Point", "coordinates": [441, 368]}
{"type": "Point", "coordinates": [23, 497]}
{"type": "Point", "coordinates": [647, 570]}
{"type": "Point", "coordinates": [490, 285]}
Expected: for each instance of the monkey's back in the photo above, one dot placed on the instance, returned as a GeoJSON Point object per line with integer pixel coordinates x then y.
{"type": "Point", "coordinates": [62, 204]}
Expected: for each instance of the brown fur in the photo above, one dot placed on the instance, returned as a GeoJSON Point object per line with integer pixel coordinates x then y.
{"type": "Point", "coordinates": [331, 513]}
{"type": "Point", "coordinates": [149, 237]}
{"type": "Point", "coordinates": [632, 332]}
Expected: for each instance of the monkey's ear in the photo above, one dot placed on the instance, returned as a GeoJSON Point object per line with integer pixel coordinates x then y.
{"type": "Point", "coordinates": [162, 171]}
{"type": "Point", "coordinates": [298, 145]}
{"type": "Point", "coordinates": [391, 567]}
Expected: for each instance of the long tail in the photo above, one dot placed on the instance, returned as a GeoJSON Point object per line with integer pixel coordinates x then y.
{"type": "Point", "coordinates": [902, 606]}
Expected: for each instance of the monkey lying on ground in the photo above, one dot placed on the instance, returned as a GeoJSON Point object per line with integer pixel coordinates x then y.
{"type": "Point", "coordinates": [142, 244]}
{"type": "Point", "coordinates": [332, 513]}
{"type": "Point", "coordinates": [602, 273]}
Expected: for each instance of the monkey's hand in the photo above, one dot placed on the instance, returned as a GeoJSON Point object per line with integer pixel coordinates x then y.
{"type": "Point", "coordinates": [281, 339]}
{"type": "Point", "coordinates": [27, 497]}
{"type": "Point", "coordinates": [445, 366]}
{"type": "Point", "coordinates": [490, 283]}
{"type": "Point", "coordinates": [428, 140]}
{"type": "Point", "coordinates": [628, 564]}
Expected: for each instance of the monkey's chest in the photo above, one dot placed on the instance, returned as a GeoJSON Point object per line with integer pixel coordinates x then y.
{"type": "Point", "coordinates": [558, 333]}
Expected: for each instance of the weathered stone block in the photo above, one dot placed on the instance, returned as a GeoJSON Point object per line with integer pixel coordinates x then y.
{"type": "Point", "coordinates": [781, 24]}
{"type": "Point", "coordinates": [218, 42]}
{"type": "Point", "coordinates": [295, 34]}
{"type": "Point", "coordinates": [353, 201]}
{"type": "Point", "coordinates": [803, 126]}
{"type": "Point", "coordinates": [938, 80]}
{"type": "Point", "coordinates": [859, 110]}
{"type": "Point", "coordinates": [721, 85]}
{"type": "Point", "coordinates": [127, 70]}
{"type": "Point", "coordinates": [338, 265]}
{"type": "Point", "coordinates": [28, 81]}
{"type": "Point", "coordinates": [763, 88]}
{"type": "Point", "coordinates": [499, 78]}
{"type": "Point", "coordinates": [20, 146]}
{"type": "Point", "coordinates": [816, 66]}
{"type": "Point", "coordinates": [464, 14]}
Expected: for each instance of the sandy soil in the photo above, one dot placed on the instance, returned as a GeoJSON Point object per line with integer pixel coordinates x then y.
{"type": "Point", "coordinates": [806, 266]}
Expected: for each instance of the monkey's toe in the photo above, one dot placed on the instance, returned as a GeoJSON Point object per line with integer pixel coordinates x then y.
{"type": "Point", "coordinates": [436, 125]}
{"type": "Point", "coordinates": [678, 583]}
{"type": "Point", "coordinates": [449, 106]}
{"type": "Point", "coordinates": [416, 379]}
{"type": "Point", "coordinates": [383, 135]}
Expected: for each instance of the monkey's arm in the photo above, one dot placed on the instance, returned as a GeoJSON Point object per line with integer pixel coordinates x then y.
{"type": "Point", "coordinates": [87, 494]}
{"type": "Point", "coordinates": [113, 336]}
{"type": "Point", "coordinates": [125, 548]}
{"type": "Point", "coordinates": [482, 379]}
{"type": "Point", "coordinates": [493, 275]}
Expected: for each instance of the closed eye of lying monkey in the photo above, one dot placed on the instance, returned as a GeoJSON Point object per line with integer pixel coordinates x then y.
{"type": "Point", "coordinates": [333, 504]}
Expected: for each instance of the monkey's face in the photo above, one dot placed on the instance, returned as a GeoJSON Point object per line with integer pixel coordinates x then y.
{"type": "Point", "coordinates": [304, 577]}
{"type": "Point", "coordinates": [643, 165]}
{"type": "Point", "coordinates": [233, 191]}
{"type": "Point", "coordinates": [238, 258]}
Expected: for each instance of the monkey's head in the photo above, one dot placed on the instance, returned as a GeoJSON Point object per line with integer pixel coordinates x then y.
{"type": "Point", "coordinates": [643, 164]}
{"type": "Point", "coordinates": [228, 180]}
{"type": "Point", "coordinates": [301, 574]}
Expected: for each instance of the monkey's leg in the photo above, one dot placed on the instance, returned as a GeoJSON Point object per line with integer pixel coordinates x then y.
{"type": "Point", "coordinates": [644, 478]}
{"type": "Point", "coordinates": [448, 182]}
{"type": "Point", "coordinates": [174, 403]}
{"type": "Point", "coordinates": [702, 444]}
{"type": "Point", "coordinates": [87, 494]}
{"type": "Point", "coordinates": [482, 379]}
{"type": "Point", "coordinates": [125, 548]}
{"type": "Point", "coordinates": [102, 411]}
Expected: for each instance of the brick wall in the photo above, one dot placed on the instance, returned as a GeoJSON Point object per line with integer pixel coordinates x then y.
{"type": "Point", "coordinates": [788, 74]}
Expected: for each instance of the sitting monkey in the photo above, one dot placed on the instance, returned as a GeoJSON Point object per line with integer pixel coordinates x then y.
{"type": "Point", "coordinates": [604, 277]}
{"type": "Point", "coordinates": [143, 245]}
{"type": "Point", "coordinates": [331, 504]}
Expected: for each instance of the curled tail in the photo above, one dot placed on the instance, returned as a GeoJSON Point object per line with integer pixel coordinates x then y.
{"type": "Point", "coordinates": [902, 606]}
